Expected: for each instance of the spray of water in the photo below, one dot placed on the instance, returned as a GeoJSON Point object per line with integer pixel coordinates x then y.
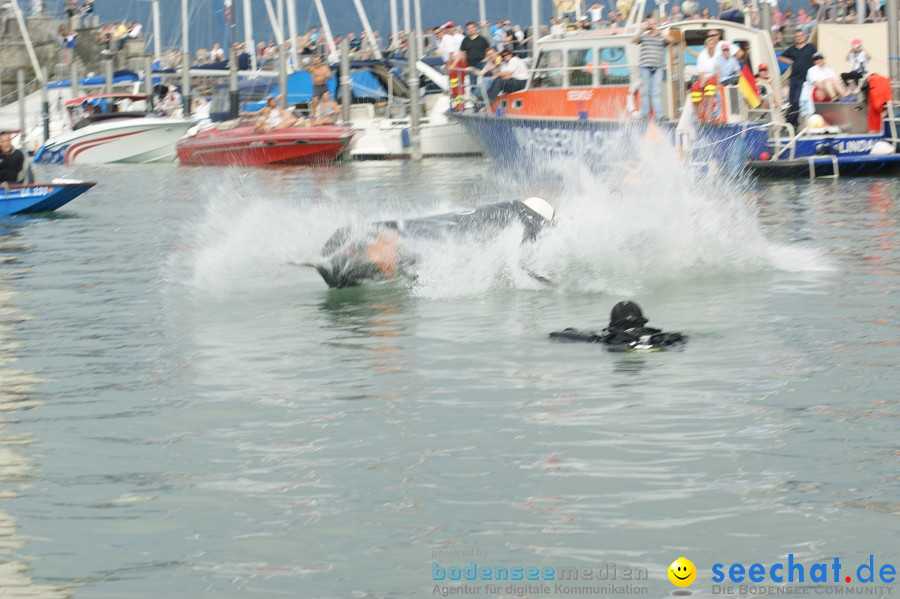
{"type": "Point", "coordinates": [642, 222]}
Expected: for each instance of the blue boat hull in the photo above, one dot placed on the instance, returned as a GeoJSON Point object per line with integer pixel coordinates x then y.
{"type": "Point", "coordinates": [823, 166]}
{"type": "Point", "coordinates": [817, 155]}
{"type": "Point", "coordinates": [40, 197]}
{"type": "Point", "coordinates": [511, 140]}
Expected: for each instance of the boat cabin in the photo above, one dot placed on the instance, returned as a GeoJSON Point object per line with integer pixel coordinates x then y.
{"type": "Point", "coordinates": [87, 110]}
{"type": "Point", "coordinates": [596, 74]}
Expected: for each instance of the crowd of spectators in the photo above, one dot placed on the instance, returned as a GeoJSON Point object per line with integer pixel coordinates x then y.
{"type": "Point", "coordinates": [113, 36]}
{"type": "Point", "coordinates": [443, 41]}
{"type": "Point", "coordinates": [74, 9]}
{"type": "Point", "coordinates": [482, 58]}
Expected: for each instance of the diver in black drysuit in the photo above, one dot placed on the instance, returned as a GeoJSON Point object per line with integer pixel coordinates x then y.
{"type": "Point", "coordinates": [626, 332]}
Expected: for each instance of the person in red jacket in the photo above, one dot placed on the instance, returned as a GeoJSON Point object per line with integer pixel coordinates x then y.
{"type": "Point", "coordinates": [879, 95]}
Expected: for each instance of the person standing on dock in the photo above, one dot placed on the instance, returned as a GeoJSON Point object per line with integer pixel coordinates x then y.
{"type": "Point", "coordinates": [800, 57]}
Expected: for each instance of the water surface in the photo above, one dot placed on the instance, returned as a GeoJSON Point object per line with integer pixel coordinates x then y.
{"type": "Point", "coordinates": [185, 413]}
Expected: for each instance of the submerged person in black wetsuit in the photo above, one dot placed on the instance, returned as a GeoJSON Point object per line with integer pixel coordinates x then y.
{"type": "Point", "coordinates": [626, 332]}
{"type": "Point", "coordinates": [11, 160]}
{"type": "Point", "coordinates": [386, 250]}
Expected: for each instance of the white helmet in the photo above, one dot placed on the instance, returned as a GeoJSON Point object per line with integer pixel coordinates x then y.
{"type": "Point", "coordinates": [540, 206]}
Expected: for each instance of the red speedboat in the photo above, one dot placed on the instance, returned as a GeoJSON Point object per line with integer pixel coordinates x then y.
{"type": "Point", "coordinates": [241, 145]}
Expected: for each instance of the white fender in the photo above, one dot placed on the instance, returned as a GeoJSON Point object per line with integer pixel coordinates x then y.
{"type": "Point", "coordinates": [633, 89]}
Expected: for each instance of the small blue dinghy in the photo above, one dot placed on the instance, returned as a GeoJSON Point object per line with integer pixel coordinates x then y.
{"type": "Point", "coordinates": [40, 197]}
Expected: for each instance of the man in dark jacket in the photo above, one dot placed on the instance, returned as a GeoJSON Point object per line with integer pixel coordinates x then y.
{"type": "Point", "coordinates": [11, 160]}
{"type": "Point", "coordinates": [800, 57]}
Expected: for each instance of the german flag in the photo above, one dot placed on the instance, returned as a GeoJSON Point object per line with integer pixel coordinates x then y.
{"type": "Point", "coordinates": [747, 85]}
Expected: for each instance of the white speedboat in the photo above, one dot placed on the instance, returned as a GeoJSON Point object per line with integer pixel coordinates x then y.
{"type": "Point", "coordinates": [385, 137]}
{"type": "Point", "coordinates": [111, 128]}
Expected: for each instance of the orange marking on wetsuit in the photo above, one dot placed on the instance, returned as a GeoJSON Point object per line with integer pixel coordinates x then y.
{"type": "Point", "coordinates": [383, 253]}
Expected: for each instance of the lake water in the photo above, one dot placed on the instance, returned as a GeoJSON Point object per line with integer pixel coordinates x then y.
{"type": "Point", "coordinates": [185, 413]}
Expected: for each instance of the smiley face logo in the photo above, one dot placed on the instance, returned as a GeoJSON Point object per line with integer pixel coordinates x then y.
{"type": "Point", "coordinates": [682, 572]}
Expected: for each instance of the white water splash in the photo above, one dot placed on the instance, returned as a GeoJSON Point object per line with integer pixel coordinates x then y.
{"type": "Point", "coordinates": [644, 223]}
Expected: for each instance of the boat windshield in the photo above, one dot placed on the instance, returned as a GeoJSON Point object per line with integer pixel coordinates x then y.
{"type": "Point", "coordinates": [550, 71]}
{"type": "Point", "coordinates": [110, 105]}
{"type": "Point", "coordinates": [594, 66]}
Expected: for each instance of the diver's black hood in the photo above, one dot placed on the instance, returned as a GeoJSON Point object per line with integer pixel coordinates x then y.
{"type": "Point", "coordinates": [626, 315]}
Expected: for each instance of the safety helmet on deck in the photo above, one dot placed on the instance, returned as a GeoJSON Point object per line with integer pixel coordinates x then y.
{"type": "Point", "coordinates": [626, 315]}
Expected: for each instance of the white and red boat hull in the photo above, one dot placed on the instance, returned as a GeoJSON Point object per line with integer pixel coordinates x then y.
{"type": "Point", "coordinates": [243, 146]}
{"type": "Point", "coordinates": [134, 140]}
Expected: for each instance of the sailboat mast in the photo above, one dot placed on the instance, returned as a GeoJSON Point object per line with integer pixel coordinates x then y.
{"type": "Point", "coordinates": [407, 24]}
{"type": "Point", "coordinates": [249, 42]}
{"type": "Point", "coordinates": [185, 60]}
{"type": "Point", "coordinates": [395, 25]}
{"type": "Point", "coordinates": [890, 11]}
{"type": "Point", "coordinates": [157, 32]}
{"type": "Point", "coordinates": [292, 30]}
{"type": "Point", "coordinates": [280, 8]}
{"type": "Point", "coordinates": [367, 28]}
{"type": "Point", "coordinates": [38, 71]}
{"type": "Point", "coordinates": [275, 22]}
{"type": "Point", "coordinates": [420, 35]}
{"type": "Point", "coordinates": [324, 18]}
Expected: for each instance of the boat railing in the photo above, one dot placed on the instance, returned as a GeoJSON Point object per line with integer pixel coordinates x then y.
{"type": "Point", "coordinates": [789, 142]}
{"type": "Point", "coordinates": [832, 160]}
{"type": "Point", "coordinates": [892, 116]}
{"type": "Point", "coordinates": [483, 88]}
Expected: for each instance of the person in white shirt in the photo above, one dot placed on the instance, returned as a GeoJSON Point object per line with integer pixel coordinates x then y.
{"type": "Point", "coordinates": [859, 65]}
{"type": "Point", "coordinates": [450, 42]}
{"type": "Point", "coordinates": [706, 59]}
{"type": "Point", "coordinates": [217, 54]}
{"type": "Point", "coordinates": [596, 12]}
{"type": "Point", "coordinates": [512, 77]}
{"type": "Point", "coordinates": [557, 27]}
{"type": "Point", "coordinates": [824, 80]}
{"type": "Point", "coordinates": [728, 69]}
